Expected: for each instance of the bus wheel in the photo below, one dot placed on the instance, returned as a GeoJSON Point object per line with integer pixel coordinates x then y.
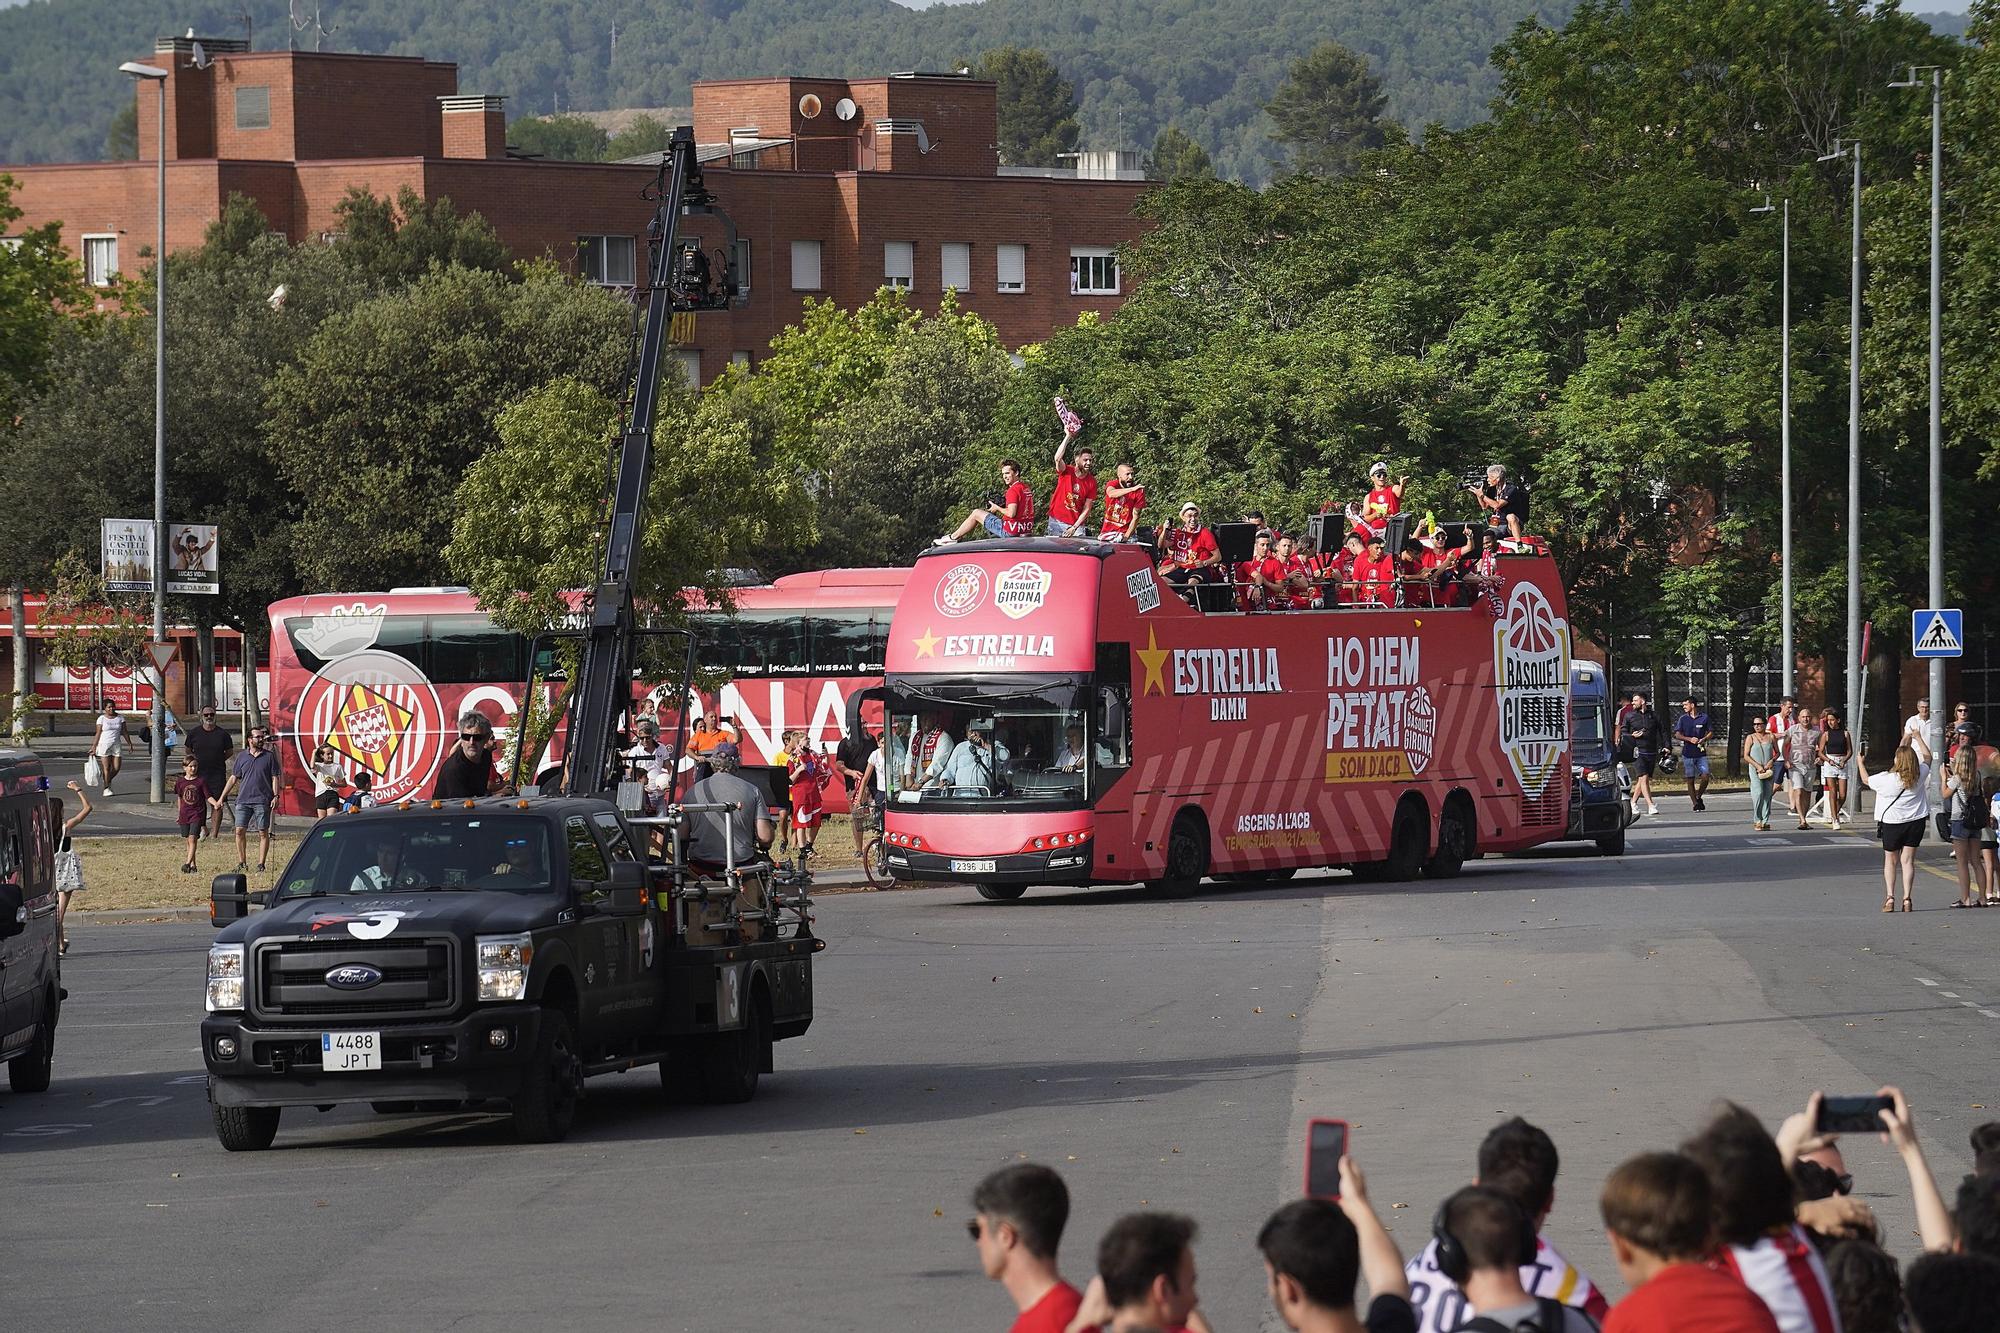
{"type": "Point", "coordinates": [1187, 856]}
{"type": "Point", "coordinates": [1452, 837]}
{"type": "Point", "coordinates": [1409, 842]}
{"type": "Point", "coordinates": [1000, 893]}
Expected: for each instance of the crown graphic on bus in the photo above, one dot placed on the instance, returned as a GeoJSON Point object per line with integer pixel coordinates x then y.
{"type": "Point", "coordinates": [341, 630]}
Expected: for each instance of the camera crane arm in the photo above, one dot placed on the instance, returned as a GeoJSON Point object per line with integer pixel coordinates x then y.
{"type": "Point", "coordinates": [603, 686]}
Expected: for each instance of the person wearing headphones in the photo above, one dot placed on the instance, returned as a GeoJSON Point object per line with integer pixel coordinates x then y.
{"type": "Point", "coordinates": [1482, 1241]}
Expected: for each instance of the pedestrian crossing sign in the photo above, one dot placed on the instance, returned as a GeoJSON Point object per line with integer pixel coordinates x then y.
{"type": "Point", "coordinates": [1937, 632]}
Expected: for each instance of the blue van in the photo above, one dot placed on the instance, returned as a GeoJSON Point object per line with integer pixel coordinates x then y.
{"type": "Point", "coordinates": [1600, 808]}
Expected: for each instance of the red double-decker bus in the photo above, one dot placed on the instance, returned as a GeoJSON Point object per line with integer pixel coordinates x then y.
{"type": "Point", "coordinates": [1059, 715]}
{"type": "Point", "coordinates": [383, 677]}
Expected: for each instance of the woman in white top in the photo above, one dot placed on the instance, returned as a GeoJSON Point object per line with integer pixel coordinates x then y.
{"type": "Point", "coordinates": [1901, 810]}
{"type": "Point", "coordinates": [111, 740]}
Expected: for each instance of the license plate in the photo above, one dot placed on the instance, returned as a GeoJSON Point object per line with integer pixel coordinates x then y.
{"type": "Point", "coordinates": [972, 867]}
{"type": "Point", "coordinates": [349, 1052]}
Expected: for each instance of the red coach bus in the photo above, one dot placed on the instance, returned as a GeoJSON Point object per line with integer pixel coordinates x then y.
{"type": "Point", "coordinates": [1060, 716]}
{"type": "Point", "coordinates": [383, 677]}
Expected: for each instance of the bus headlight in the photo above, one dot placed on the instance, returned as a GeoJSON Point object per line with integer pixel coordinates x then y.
{"type": "Point", "coordinates": [225, 977]}
{"type": "Point", "coordinates": [503, 965]}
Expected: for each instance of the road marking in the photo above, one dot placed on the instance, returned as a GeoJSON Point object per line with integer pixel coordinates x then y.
{"type": "Point", "coordinates": [1953, 995]}
{"type": "Point", "coordinates": [1926, 981]}
{"type": "Point", "coordinates": [1988, 1013]}
{"type": "Point", "coordinates": [1949, 994]}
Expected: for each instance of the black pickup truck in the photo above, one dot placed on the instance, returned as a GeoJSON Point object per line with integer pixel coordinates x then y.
{"type": "Point", "coordinates": [445, 954]}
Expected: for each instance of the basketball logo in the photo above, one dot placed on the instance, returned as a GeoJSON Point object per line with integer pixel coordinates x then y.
{"type": "Point", "coordinates": [1531, 666]}
{"type": "Point", "coordinates": [379, 713]}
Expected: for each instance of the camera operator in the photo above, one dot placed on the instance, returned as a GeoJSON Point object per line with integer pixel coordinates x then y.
{"type": "Point", "coordinates": [1505, 502]}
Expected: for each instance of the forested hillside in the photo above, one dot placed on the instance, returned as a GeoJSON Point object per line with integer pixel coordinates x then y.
{"type": "Point", "coordinates": [1136, 64]}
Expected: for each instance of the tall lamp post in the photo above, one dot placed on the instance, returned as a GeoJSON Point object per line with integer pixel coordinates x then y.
{"type": "Point", "coordinates": [1851, 148]}
{"type": "Point", "coordinates": [1937, 367]}
{"type": "Point", "coordinates": [1785, 444]}
{"type": "Point", "coordinates": [158, 77]}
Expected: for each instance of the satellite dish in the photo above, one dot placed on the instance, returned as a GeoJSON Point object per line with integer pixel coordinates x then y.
{"type": "Point", "coordinates": [845, 108]}
{"type": "Point", "coordinates": [809, 105]}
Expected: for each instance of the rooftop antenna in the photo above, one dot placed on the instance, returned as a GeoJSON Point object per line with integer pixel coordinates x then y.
{"type": "Point", "coordinates": [244, 19]}
{"type": "Point", "coordinates": [301, 21]}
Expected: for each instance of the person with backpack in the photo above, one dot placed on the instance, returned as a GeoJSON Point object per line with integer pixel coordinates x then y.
{"type": "Point", "coordinates": [1966, 811]}
{"type": "Point", "coordinates": [1482, 1239]}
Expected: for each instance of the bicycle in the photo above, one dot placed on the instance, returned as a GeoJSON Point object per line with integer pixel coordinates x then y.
{"type": "Point", "coordinates": [874, 852]}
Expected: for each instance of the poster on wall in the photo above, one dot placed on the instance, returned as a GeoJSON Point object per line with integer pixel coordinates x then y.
{"type": "Point", "coordinates": [128, 556]}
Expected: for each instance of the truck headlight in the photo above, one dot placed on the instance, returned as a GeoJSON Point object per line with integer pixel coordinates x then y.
{"type": "Point", "coordinates": [225, 977]}
{"type": "Point", "coordinates": [503, 965]}
{"type": "Point", "coordinates": [1601, 777]}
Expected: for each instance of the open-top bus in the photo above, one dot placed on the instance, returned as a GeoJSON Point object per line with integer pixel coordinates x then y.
{"type": "Point", "coordinates": [1393, 740]}
{"type": "Point", "coordinates": [383, 677]}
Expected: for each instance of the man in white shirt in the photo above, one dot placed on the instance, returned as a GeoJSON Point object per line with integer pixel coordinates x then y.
{"type": "Point", "coordinates": [976, 762]}
{"type": "Point", "coordinates": [929, 755]}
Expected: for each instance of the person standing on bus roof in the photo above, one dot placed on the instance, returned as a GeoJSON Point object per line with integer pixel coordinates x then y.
{"type": "Point", "coordinates": [1012, 515]}
{"type": "Point", "coordinates": [1124, 497]}
{"type": "Point", "coordinates": [1076, 489]}
{"type": "Point", "coordinates": [1189, 555]}
{"type": "Point", "coordinates": [1384, 499]}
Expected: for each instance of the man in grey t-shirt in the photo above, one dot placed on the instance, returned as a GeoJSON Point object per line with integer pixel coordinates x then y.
{"type": "Point", "coordinates": [722, 836]}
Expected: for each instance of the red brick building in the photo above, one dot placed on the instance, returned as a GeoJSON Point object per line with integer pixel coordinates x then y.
{"type": "Point", "coordinates": [837, 187]}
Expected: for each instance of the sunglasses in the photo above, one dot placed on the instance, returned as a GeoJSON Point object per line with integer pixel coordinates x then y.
{"type": "Point", "coordinates": [472, 735]}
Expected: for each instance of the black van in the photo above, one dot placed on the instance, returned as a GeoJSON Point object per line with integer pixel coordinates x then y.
{"type": "Point", "coordinates": [30, 969]}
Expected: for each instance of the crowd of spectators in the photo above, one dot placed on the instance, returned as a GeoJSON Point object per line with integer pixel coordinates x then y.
{"type": "Point", "coordinates": [1738, 1231]}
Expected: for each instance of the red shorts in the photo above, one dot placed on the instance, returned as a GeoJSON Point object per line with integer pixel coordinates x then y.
{"type": "Point", "coordinates": [804, 818]}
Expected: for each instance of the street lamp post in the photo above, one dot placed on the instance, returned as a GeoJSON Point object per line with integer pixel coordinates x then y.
{"type": "Point", "coordinates": [158, 786]}
{"type": "Point", "coordinates": [1785, 446]}
{"type": "Point", "coordinates": [1937, 366]}
{"type": "Point", "coordinates": [1851, 148]}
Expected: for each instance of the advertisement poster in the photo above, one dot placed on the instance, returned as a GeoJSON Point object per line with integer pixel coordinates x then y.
{"type": "Point", "coordinates": [128, 556]}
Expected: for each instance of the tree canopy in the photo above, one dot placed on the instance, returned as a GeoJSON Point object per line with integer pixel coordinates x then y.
{"type": "Point", "coordinates": [1037, 107]}
{"type": "Point", "coordinates": [1328, 111]}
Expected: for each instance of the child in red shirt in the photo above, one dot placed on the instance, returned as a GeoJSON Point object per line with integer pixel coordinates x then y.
{"type": "Point", "coordinates": [806, 773]}
{"type": "Point", "coordinates": [194, 799]}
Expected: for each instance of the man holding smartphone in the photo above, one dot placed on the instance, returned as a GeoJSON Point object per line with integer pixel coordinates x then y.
{"type": "Point", "coordinates": [1314, 1249]}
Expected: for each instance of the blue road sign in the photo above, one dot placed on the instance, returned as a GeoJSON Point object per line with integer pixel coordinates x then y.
{"type": "Point", "coordinates": [1937, 631]}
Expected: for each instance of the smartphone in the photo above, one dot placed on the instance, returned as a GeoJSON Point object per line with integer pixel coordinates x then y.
{"type": "Point", "coordinates": [1326, 1144]}
{"type": "Point", "coordinates": [1852, 1115]}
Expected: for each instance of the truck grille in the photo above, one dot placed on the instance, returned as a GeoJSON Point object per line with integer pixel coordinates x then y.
{"type": "Point", "coordinates": [419, 978]}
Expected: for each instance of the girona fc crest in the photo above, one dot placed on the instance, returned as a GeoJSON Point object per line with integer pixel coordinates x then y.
{"type": "Point", "coordinates": [1531, 666]}
{"type": "Point", "coordinates": [378, 712]}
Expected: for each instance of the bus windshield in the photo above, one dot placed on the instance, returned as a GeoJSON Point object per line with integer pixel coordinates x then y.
{"type": "Point", "coordinates": [964, 744]}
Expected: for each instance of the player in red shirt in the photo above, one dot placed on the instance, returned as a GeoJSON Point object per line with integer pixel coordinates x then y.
{"type": "Point", "coordinates": [807, 774]}
{"type": "Point", "coordinates": [1375, 573]}
{"type": "Point", "coordinates": [1340, 568]}
{"type": "Point", "coordinates": [1297, 594]}
{"type": "Point", "coordinates": [1124, 497]}
{"type": "Point", "coordinates": [1384, 500]}
{"type": "Point", "coordinates": [1018, 1217]}
{"type": "Point", "coordinates": [1439, 568]}
{"type": "Point", "coordinates": [1260, 579]}
{"type": "Point", "coordinates": [1075, 492]}
{"type": "Point", "coordinates": [1189, 556]}
{"type": "Point", "coordinates": [1012, 515]}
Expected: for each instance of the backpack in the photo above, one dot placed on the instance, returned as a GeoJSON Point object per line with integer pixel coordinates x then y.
{"type": "Point", "coordinates": [1549, 1318]}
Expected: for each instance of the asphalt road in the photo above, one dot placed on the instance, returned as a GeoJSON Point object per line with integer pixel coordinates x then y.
{"type": "Point", "coordinates": [1161, 1054]}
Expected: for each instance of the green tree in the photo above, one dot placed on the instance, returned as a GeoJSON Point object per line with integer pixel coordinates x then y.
{"type": "Point", "coordinates": [396, 243]}
{"type": "Point", "coordinates": [1176, 155]}
{"type": "Point", "coordinates": [41, 289]}
{"type": "Point", "coordinates": [1037, 106]}
{"type": "Point", "coordinates": [390, 402]}
{"type": "Point", "coordinates": [646, 134]}
{"type": "Point", "coordinates": [563, 138]}
{"type": "Point", "coordinates": [121, 137]}
{"type": "Point", "coordinates": [1329, 111]}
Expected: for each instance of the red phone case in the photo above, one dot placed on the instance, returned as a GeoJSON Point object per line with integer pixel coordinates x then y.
{"type": "Point", "coordinates": [1346, 1139]}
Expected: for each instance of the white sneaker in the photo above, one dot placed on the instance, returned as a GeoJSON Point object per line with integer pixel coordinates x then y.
{"type": "Point", "coordinates": [1653, 810]}
{"type": "Point", "coordinates": [945, 540]}
{"type": "Point", "coordinates": [107, 791]}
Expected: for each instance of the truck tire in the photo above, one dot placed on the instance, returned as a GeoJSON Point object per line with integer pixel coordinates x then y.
{"type": "Point", "coordinates": [1000, 893]}
{"type": "Point", "coordinates": [1611, 844]}
{"type": "Point", "coordinates": [245, 1128]}
{"type": "Point", "coordinates": [31, 1069]}
{"type": "Point", "coordinates": [545, 1107]}
{"type": "Point", "coordinates": [732, 1061]}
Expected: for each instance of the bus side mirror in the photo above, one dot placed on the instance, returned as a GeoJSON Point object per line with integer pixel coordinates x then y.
{"type": "Point", "coordinates": [228, 899]}
{"type": "Point", "coordinates": [628, 889]}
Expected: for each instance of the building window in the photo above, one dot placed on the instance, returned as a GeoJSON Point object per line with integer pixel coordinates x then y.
{"type": "Point", "coordinates": [1093, 271]}
{"type": "Point", "coordinates": [805, 266]}
{"type": "Point", "coordinates": [955, 266]}
{"type": "Point", "coordinates": [899, 264]}
{"type": "Point", "coordinates": [1013, 262]}
{"type": "Point", "coordinates": [742, 266]}
{"type": "Point", "coordinates": [100, 260]}
{"type": "Point", "coordinates": [689, 361]}
{"type": "Point", "coordinates": [740, 360]}
{"type": "Point", "coordinates": [605, 260]}
{"type": "Point", "coordinates": [253, 108]}
{"type": "Point", "coordinates": [743, 161]}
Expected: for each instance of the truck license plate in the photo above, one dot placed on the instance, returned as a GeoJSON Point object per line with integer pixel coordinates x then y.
{"type": "Point", "coordinates": [349, 1052]}
{"type": "Point", "coordinates": [972, 867]}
